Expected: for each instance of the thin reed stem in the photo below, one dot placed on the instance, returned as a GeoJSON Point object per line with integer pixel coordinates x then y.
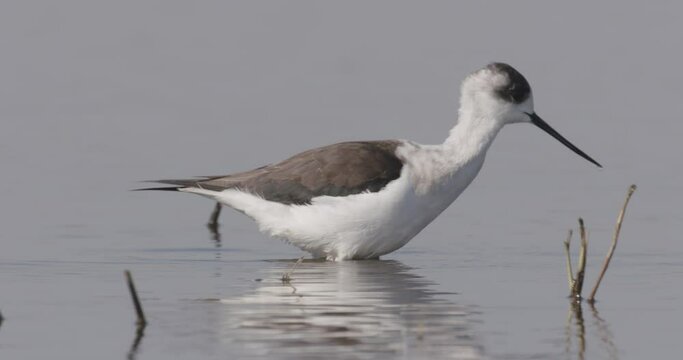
{"type": "Point", "coordinates": [581, 271]}
{"type": "Point", "coordinates": [570, 273]}
{"type": "Point", "coordinates": [615, 239]}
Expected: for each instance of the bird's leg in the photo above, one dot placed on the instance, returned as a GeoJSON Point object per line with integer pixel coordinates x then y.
{"type": "Point", "coordinates": [213, 221]}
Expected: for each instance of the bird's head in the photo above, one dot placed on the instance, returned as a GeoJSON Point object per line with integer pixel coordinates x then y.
{"type": "Point", "coordinates": [500, 93]}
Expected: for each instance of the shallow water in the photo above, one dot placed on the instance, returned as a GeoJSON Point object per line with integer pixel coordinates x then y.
{"type": "Point", "coordinates": [219, 299]}
{"type": "Point", "coordinates": [95, 97]}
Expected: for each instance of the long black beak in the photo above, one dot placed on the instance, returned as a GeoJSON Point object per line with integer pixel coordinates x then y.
{"type": "Point", "coordinates": [536, 120]}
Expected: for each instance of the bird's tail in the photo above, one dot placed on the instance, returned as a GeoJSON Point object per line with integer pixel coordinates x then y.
{"type": "Point", "coordinates": [178, 184]}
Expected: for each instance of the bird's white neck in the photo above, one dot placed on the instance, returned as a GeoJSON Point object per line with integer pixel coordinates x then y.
{"type": "Point", "coordinates": [464, 149]}
{"type": "Point", "coordinates": [472, 135]}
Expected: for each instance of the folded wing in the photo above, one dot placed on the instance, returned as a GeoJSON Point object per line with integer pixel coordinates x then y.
{"type": "Point", "coordinates": [335, 170]}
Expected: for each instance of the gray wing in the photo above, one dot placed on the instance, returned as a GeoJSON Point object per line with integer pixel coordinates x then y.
{"type": "Point", "coordinates": [334, 170]}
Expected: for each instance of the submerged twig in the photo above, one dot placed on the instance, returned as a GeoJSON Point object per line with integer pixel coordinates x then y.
{"type": "Point", "coordinates": [139, 334]}
{"type": "Point", "coordinates": [604, 333]}
{"type": "Point", "coordinates": [615, 239]}
{"type": "Point", "coordinates": [580, 329]}
{"type": "Point", "coordinates": [287, 276]}
{"type": "Point", "coordinates": [570, 273]}
{"type": "Point", "coordinates": [141, 321]}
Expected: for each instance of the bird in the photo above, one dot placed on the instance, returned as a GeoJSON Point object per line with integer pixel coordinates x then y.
{"type": "Point", "coordinates": [364, 199]}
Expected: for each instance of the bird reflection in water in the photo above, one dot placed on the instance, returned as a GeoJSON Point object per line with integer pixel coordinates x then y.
{"type": "Point", "coordinates": [354, 309]}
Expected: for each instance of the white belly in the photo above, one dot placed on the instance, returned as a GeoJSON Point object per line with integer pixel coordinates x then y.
{"type": "Point", "coordinates": [361, 226]}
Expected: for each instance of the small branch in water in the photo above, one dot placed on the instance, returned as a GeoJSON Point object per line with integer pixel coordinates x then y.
{"type": "Point", "coordinates": [615, 239]}
{"type": "Point", "coordinates": [570, 273]}
{"type": "Point", "coordinates": [287, 276]}
{"type": "Point", "coordinates": [576, 281]}
{"type": "Point", "coordinates": [141, 321]}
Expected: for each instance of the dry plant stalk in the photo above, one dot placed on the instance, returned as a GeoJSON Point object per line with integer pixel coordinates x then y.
{"type": "Point", "coordinates": [581, 271]}
{"type": "Point", "coordinates": [615, 239]}
{"type": "Point", "coordinates": [136, 301]}
{"type": "Point", "coordinates": [570, 273]}
{"type": "Point", "coordinates": [576, 281]}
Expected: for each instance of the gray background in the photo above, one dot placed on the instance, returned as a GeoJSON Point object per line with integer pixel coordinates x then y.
{"type": "Point", "coordinates": [97, 95]}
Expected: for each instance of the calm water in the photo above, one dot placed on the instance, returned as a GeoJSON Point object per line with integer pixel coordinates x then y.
{"type": "Point", "coordinates": [95, 97]}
